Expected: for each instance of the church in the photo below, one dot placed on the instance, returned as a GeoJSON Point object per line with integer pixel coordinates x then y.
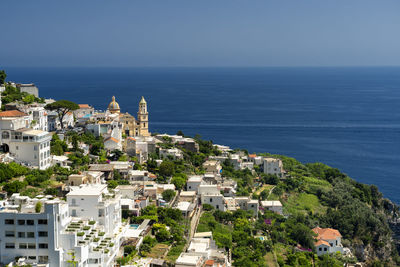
{"type": "Point", "coordinates": [130, 125]}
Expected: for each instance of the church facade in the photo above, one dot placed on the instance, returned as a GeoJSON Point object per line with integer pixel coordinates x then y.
{"type": "Point", "coordinates": [130, 125]}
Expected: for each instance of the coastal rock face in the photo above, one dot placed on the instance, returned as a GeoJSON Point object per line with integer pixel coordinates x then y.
{"type": "Point", "coordinates": [395, 226]}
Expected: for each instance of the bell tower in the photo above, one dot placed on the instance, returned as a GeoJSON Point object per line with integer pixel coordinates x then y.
{"type": "Point", "coordinates": [143, 118]}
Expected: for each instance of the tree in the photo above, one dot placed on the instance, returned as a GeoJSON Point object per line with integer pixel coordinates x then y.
{"type": "Point", "coordinates": [14, 187]}
{"type": "Point", "coordinates": [167, 168]}
{"type": "Point", "coordinates": [112, 184]}
{"type": "Point", "coordinates": [38, 207]}
{"type": "Point", "coordinates": [3, 76]}
{"type": "Point", "coordinates": [168, 194]}
{"type": "Point", "coordinates": [179, 182]}
{"type": "Point", "coordinates": [162, 235]}
{"type": "Point", "coordinates": [62, 107]}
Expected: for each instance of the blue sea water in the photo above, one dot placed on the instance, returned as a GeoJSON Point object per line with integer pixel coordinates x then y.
{"type": "Point", "coordinates": [348, 118]}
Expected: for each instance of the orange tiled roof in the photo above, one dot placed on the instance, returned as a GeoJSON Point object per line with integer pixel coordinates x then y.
{"type": "Point", "coordinates": [131, 138]}
{"type": "Point", "coordinates": [326, 233]}
{"type": "Point", "coordinates": [12, 113]}
{"type": "Point", "coordinates": [83, 105]}
{"type": "Point", "coordinates": [252, 155]}
{"type": "Point", "coordinates": [321, 242]}
{"type": "Point", "coordinates": [209, 262]}
{"type": "Point", "coordinates": [112, 139]}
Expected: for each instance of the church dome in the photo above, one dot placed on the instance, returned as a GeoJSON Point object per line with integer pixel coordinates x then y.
{"type": "Point", "coordinates": [113, 106]}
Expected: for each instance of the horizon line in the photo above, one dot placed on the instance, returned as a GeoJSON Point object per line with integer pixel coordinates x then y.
{"type": "Point", "coordinates": [220, 66]}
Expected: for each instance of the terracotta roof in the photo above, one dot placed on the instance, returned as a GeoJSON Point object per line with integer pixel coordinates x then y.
{"type": "Point", "coordinates": [131, 138]}
{"type": "Point", "coordinates": [12, 113]}
{"type": "Point", "coordinates": [321, 242]}
{"type": "Point", "coordinates": [209, 262]}
{"type": "Point", "coordinates": [112, 139]}
{"type": "Point", "coordinates": [252, 155]}
{"type": "Point", "coordinates": [84, 106]}
{"type": "Point", "coordinates": [326, 233]}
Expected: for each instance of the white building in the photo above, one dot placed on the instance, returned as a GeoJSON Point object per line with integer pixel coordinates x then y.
{"type": "Point", "coordinates": [193, 183]}
{"type": "Point", "coordinates": [274, 205]}
{"type": "Point", "coordinates": [214, 199]}
{"type": "Point", "coordinates": [29, 88]}
{"type": "Point", "coordinates": [55, 235]}
{"type": "Point", "coordinates": [26, 146]}
{"type": "Point", "coordinates": [171, 152]}
{"type": "Point", "coordinates": [273, 166]}
{"type": "Point", "coordinates": [212, 166]}
{"type": "Point", "coordinates": [328, 240]}
{"type": "Point", "coordinates": [39, 118]}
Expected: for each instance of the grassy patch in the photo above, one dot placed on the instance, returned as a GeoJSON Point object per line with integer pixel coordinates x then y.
{"type": "Point", "coordinates": [303, 203]}
{"type": "Point", "coordinates": [266, 186]}
{"type": "Point", "coordinates": [270, 260]}
{"type": "Point", "coordinates": [158, 251]}
{"type": "Point", "coordinates": [174, 253]}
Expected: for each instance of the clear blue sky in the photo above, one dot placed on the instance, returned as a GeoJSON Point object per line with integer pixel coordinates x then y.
{"type": "Point", "coordinates": [200, 33]}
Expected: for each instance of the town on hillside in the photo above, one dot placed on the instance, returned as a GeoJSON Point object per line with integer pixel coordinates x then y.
{"type": "Point", "coordinates": [84, 187]}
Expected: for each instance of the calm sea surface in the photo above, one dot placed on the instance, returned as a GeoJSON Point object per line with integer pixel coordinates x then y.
{"type": "Point", "coordinates": [348, 118]}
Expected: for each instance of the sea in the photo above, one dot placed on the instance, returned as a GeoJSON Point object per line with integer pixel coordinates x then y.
{"type": "Point", "coordinates": [345, 117]}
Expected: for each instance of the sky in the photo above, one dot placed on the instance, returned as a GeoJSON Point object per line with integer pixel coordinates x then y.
{"type": "Point", "coordinates": [234, 33]}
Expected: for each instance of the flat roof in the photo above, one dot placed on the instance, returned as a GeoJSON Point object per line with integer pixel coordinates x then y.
{"type": "Point", "coordinates": [203, 235]}
{"type": "Point", "coordinates": [195, 179]}
{"type": "Point", "coordinates": [87, 190]}
{"type": "Point", "coordinates": [183, 206]}
{"type": "Point", "coordinates": [101, 167]}
{"type": "Point", "coordinates": [36, 132]}
{"type": "Point", "coordinates": [273, 203]}
{"type": "Point", "coordinates": [188, 259]}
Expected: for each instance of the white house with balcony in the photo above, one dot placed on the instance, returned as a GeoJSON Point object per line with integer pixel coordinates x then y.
{"type": "Point", "coordinates": [86, 229]}
{"type": "Point", "coordinates": [27, 146]}
{"type": "Point", "coordinates": [39, 118]}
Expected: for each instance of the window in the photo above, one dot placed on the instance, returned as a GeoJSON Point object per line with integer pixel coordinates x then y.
{"type": "Point", "coordinates": [22, 245]}
{"type": "Point", "coordinates": [10, 245]}
{"type": "Point", "coordinates": [5, 135]}
{"type": "Point", "coordinates": [43, 245]}
{"type": "Point", "coordinates": [32, 257]}
{"type": "Point", "coordinates": [35, 148]}
{"type": "Point", "coordinates": [30, 222]}
{"type": "Point", "coordinates": [210, 199]}
{"type": "Point", "coordinates": [8, 221]}
{"type": "Point", "coordinates": [325, 249]}
{"type": "Point", "coordinates": [43, 259]}
{"type": "Point", "coordinates": [73, 213]}
{"type": "Point", "coordinates": [217, 207]}
{"type": "Point", "coordinates": [336, 242]}
{"type": "Point", "coordinates": [16, 147]}
{"type": "Point", "coordinates": [31, 246]}
{"type": "Point", "coordinates": [43, 234]}
{"type": "Point", "coordinates": [21, 222]}
{"type": "Point", "coordinates": [30, 235]}
{"type": "Point", "coordinates": [331, 244]}
{"type": "Point", "coordinates": [42, 221]}
{"type": "Point", "coordinates": [320, 249]}
{"type": "Point", "coordinates": [21, 234]}
{"type": "Point", "coordinates": [9, 233]}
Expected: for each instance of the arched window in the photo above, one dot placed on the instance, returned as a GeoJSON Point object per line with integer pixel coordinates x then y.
{"type": "Point", "coordinates": [5, 135]}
